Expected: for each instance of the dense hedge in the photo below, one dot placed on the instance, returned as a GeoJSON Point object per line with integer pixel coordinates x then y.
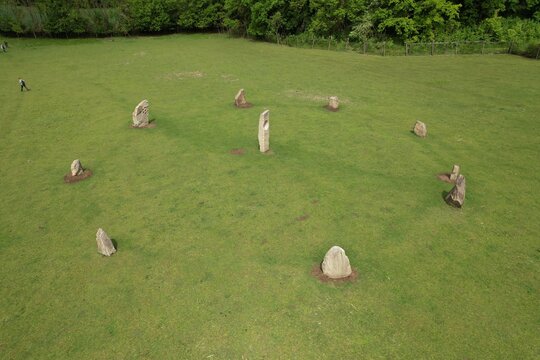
{"type": "Point", "coordinates": [415, 20]}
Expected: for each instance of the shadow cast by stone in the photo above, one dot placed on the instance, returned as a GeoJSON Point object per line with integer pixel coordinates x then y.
{"type": "Point", "coordinates": [69, 179]}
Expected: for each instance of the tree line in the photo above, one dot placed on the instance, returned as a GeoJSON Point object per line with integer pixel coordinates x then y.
{"type": "Point", "coordinates": [411, 20]}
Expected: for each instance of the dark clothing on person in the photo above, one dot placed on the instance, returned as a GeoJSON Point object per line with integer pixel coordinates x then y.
{"type": "Point", "coordinates": [23, 85]}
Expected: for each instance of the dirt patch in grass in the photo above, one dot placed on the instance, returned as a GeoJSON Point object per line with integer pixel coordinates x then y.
{"type": "Point", "coordinates": [329, 108]}
{"type": "Point", "coordinates": [303, 95]}
{"type": "Point", "coordinates": [445, 177]}
{"type": "Point", "coordinates": [316, 272]}
{"type": "Point", "coordinates": [181, 75]}
{"type": "Point", "coordinates": [69, 179]}
{"type": "Point", "coordinates": [244, 106]}
{"type": "Point", "coordinates": [237, 151]}
{"type": "Point", "coordinates": [229, 77]}
{"type": "Point", "coordinates": [303, 217]}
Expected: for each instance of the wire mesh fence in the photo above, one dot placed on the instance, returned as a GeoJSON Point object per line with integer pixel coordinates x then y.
{"type": "Point", "coordinates": [389, 48]}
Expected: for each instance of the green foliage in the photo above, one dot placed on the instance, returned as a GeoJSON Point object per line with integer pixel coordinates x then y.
{"type": "Point", "coordinates": [415, 20]}
{"type": "Point", "coordinates": [200, 14]}
{"type": "Point", "coordinates": [153, 15]}
{"type": "Point", "coordinates": [381, 20]}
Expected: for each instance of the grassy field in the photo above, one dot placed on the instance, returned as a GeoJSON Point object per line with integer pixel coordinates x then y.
{"type": "Point", "coordinates": [215, 250]}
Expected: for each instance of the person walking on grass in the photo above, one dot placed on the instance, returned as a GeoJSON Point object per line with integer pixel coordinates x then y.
{"type": "Point", "coordinates": [23, 85]}
{"type": "Point", "coordinates": [3, 47]}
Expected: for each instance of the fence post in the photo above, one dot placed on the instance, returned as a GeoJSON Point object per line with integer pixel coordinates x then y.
{"type": "Point", "coordinates": [329, 39]}
{"type": "Point", "coordinates": [432, 48]}
{"type": "Point", "coordinates": [483, 44]}
{"type": "Point", "coordinates": [456, 48]}
{"type": "Point", "coordinates": [312, 41]}
{"type": "Point", "coordinates": [384, 49]}
{"type": "Point", "coordinates": [406, 49]}
{"type": "Point", "coordinates": [347, 44]}
{"type": "Point", "coordinates": [365, 46]}
{"type": "Point", "coordinates": [538, 53]}
{"type": "Point", "coordinates": [510, 47]}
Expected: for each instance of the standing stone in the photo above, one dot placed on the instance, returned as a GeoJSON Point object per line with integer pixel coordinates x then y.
{"type": "Point", "coordinates": [333, 103]}
{"type": "Point", "coordinates": [420, 129]}
{"type": "Point", "coordinates": [264, 131]}
{"type": "Point", "coordinates": [456, 196]}
{"type": "Point", "coordinates": [240, 99]}
{"type": "Point", "coordinates": [455, 173]}
{"type": "Point", "coordinates": [140, 114]}
{"type": "Point", "coordinates": [76, 168]}
{"type": "Point", "coordinates": [336, 264]}
{"type": "Point", "coordinates": [104, 243]}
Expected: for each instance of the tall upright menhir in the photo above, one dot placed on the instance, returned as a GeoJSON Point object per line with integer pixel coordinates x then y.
{"type": "Point", "coordinates": [264, 131]}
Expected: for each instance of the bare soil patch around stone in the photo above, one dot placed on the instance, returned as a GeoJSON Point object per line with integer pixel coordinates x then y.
{"type": "Point", "coordinates": [151, 125]}
{"type": "Point", "coordinates": [237, 151]}
{"type": "Point", "coordinates": [244, 106]}
{"type": "Point", "coordinates": [329, 108]}
{"type": "Point", "coordinates": [303, 217]}
{"type": "Point", "coordinates": [445, 177]}
{"type": "Point", "coordinates": [317, 273]}
{"type": "Point", "coordinates": [69, 179]}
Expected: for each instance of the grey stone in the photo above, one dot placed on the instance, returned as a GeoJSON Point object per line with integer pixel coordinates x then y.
{"type": "Point", "coordinates": [333, 103]}
{"type": "Point", "coordinates": [76, 168]}
{"type": "Point", "coordinates": [336, 264]}
{"type": "Point", "coordinates": [264, 131]}
{"type": "Point", "coordinates": [104, 243]}
{"type": "Point", "coordinates": [455, 173]}
{"type": "Point", "coordinates": [456, 196]}
{"type": "Point", "coordinates": [240, 99]}
{"type": "Point", "coordinates": [140, 114]}
{"type": "Point", "coordinates": [420, 129]}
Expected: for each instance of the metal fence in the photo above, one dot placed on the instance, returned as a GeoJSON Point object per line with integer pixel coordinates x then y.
{"type": "Point", "coordinates": [384, 48]}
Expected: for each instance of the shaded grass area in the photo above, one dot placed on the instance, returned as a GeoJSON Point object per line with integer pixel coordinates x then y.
{"type": "Point", "coordinates": [212, 261]}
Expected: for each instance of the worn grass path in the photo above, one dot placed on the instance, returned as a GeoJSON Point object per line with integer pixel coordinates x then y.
{"type": "Point", "coordinates": [212, 262]}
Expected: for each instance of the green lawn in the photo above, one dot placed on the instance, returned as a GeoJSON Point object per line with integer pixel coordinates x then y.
{"type": "Point", "coordinates": [212, 261]}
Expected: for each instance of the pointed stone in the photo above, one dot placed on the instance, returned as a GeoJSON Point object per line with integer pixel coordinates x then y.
{"type": "Point", "coordinates": [333, 103]}
{"type": "Point", "coordinates": [336, 264]}
{"type": "Point", "coordinates": [264, 131]}
{"type": "Point", "coordinates": [240, 99]}
{"type": "Point", "coordinates": [104, 243]}
{"type": "Point", "coordinates": [420, 129]}
{"type": "Point", "coordinates": [456, 196]}
{"type": "Point", "coordinates": [76, 168]}
{"type": "Point", "coordinates": [140, 114]}
{"type": "Point", "coordinates": [455, 173]}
